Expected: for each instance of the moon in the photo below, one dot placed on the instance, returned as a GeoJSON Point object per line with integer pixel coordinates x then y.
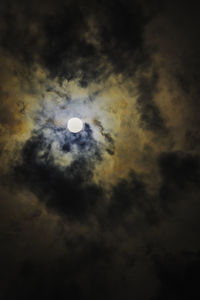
{"type": "Point", "coordinates": [75, 125]}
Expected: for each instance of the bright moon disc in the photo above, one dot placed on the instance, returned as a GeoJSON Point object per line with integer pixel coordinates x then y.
{"type": "Point", "coordinates": [75, 125]}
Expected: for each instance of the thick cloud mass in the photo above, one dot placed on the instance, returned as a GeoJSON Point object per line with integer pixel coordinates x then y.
{"type": "Point", "coordinates": [111, 212]}
{"type": "Point", "coordinates": [67, 189]}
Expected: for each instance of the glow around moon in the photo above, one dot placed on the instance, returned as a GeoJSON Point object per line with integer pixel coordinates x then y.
{"type": "Point", "coordinates": [75, 125]}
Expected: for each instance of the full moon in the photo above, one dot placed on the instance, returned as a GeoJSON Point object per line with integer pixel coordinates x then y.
{"type": "Point", "coordinates": [75, 125]}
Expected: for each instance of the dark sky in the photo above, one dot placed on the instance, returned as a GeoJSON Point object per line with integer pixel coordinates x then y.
{"type": "Point", "coordinates": [111, 212]}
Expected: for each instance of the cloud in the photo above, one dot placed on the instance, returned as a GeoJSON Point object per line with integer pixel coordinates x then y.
{"type": "Point", "coordinates": [179, 275]}
{"type": "Point", "coordinates": [115, 208]}
{"type": "Point", "coordinates": [66, 189]}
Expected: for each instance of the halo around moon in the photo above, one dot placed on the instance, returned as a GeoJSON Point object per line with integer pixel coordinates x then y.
{"type": "Point", "coordinates": [75, 125]}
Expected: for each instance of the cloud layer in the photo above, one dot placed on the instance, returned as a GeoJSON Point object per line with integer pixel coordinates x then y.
{"type": "Point", "coordinates": [113, 211]}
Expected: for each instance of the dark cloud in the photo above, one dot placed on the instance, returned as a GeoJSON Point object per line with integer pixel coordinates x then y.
{"type": "Point", "coordinates": [24, 41]}
{"type": "Point", "coordinates": [179, 275]}
{"type": "Point", "coordinates": [94, 263]}
{"type": "Point", "coordinates": [122, 34]}
{"type": "Point", "coordinates": [131, 198]}
{"type": "Point", "coordinates": [179, 168]}
{"type": "Point", "coordinates": [66, 53]}
{"type": "Point", "coordinates": [150, 116]}
{"type": "Point", "coordinates": [56, 38]}
{"type": "Point", "coordinates": [180, 173]}
{"type": "Point", "coordinates": [66, 189]}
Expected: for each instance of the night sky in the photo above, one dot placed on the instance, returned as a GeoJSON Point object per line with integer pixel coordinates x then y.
{"type": "Point", "coordinates": [111, 212]}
